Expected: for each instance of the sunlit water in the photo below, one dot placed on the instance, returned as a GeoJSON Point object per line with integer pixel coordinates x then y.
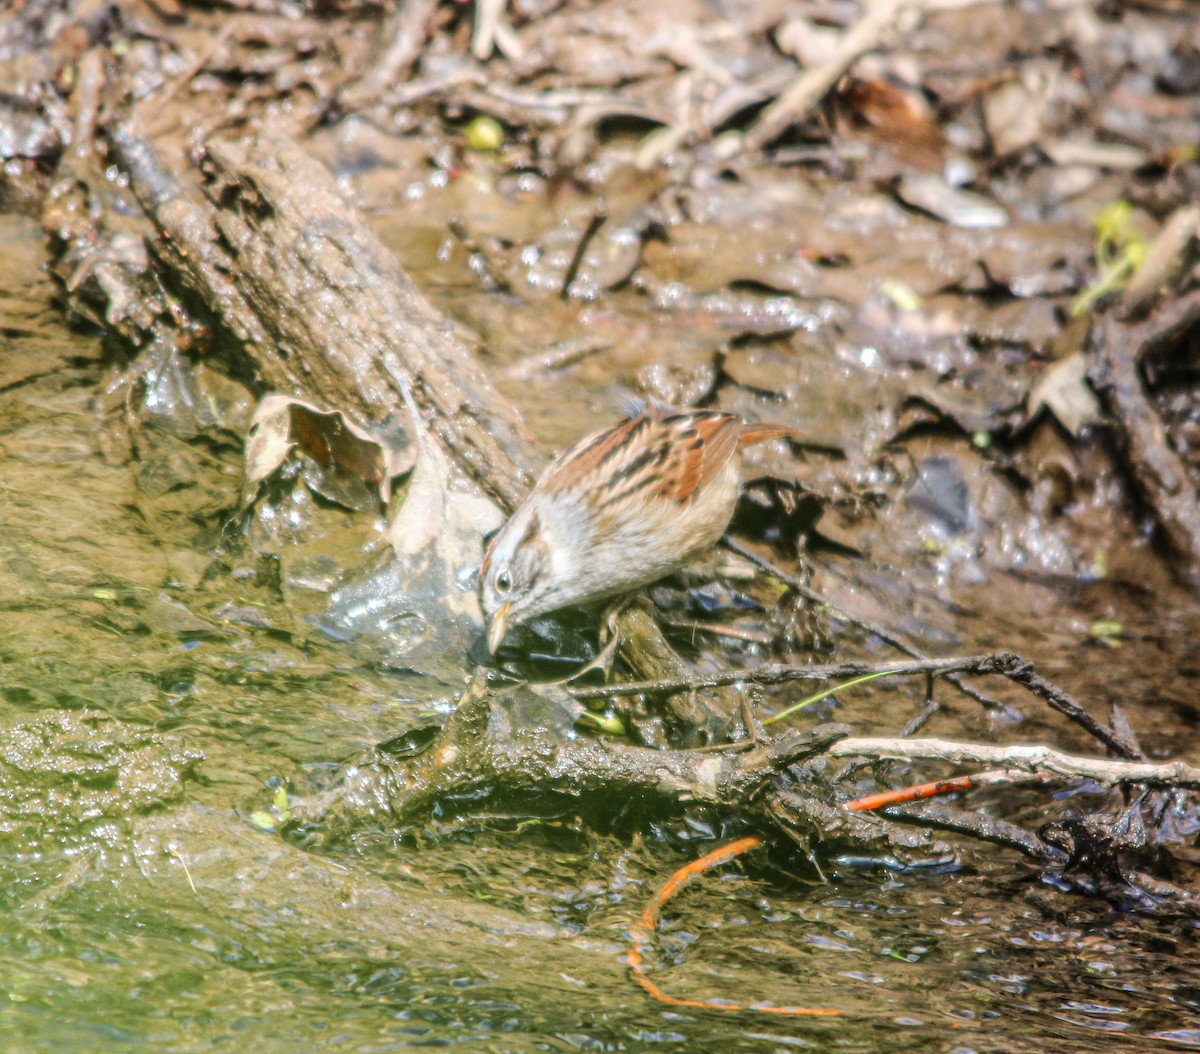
{"type": "Point", "coordinates": [163, 699]}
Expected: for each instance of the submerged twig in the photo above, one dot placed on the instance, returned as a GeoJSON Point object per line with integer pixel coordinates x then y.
{"type": "Point", "coordinates": [980, 826]}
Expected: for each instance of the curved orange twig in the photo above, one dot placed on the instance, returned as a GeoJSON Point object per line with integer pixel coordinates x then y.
{"type": "Point", "coordinates": [642, 932]}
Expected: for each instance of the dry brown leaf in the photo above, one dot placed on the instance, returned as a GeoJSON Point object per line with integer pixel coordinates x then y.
{"type": "Point", "coordinates": [349, 462]}
{"type": "Point", "coordinates": [1064, 391]}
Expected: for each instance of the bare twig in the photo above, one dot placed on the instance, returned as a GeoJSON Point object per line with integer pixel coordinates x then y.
{"type": "Point", "coordinates": [1003, 664]}
{"type": "Point", "coordinates": [1157, 470]}
{"type": "Point", "coordinates": [558, 356]}
{"type": "Point", "coordinates": [231, 28]}
{"type": "Point", "coordinates": [977, 825]}
{"type": "Point", "coordinates": [1020, 763]}
{"type": "Point", "coordinates": [1020, 672]}
{"type": "Point", "coordinates": [1166, 263]}
{"type": "Point", "coordinates": [750, 636]}
{"type": "Point", "coordinates": [492, 30]}
{"type": "Point", "coordinates": [404, 31]}
{"type": "Point", "coordinates": [810, 86]}
{"type": "Point", "coordinates": [884, 633]}
{"type": "Point", "coordinates": [783, 673]}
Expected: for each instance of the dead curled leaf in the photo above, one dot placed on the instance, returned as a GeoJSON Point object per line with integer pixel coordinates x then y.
{"type": "Point", "coordinates": [423, 601]}
{"type": "Point", "coordinates": [348, 465]}
{"type": "Point", "coordinates": [1064, 391]}
{"type": "Point", "coordinates": [444, 517]}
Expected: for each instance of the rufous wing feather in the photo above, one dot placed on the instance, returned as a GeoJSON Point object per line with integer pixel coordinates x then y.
{"type": "Point", "coordinates": [668, 456]}
{"type": "Point", "coordinates": [752, 434]}
{"type": "Point", "coordinates": [590, 454]}
{"type": "Point", "coordinates": [700, 447]}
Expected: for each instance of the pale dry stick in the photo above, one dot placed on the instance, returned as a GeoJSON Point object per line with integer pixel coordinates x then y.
{"type": "Point", "coordinates": [492, 31]}
{"type": "Point", "coordinates": [403, 96]}
{"type": "Point", "coordinates": [405, 30]}
{"type": "Point", "coordinates": [1169, 257]}
{"type": "Point", "coordinates": [483, 36]}
{"type": "Point", "coordinates": [557, 357]}
{"type": "Point", "coordinates": [809, 87]}
{"type": "Point", "coordinates": [566, 98]}
{"type": "Point", "coordinates": [684, 122]}
{"type": "Point", "coordinates": [717, 630]}
{"type": "Point", "coordinates": [1019, 763]}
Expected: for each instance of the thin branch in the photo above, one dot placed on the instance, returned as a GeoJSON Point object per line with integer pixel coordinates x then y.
{"type": "Point", "coordinates": [810, 86]}
{"type": "Point", "coordinates": [1012, 667]}
{"type": "Point", "coordinates": [404, 32]}
{"type": "Point", "coordinates": [884, 633]}
{"type": "Point", "coordinates": [1020, 672]}
{"type": "Point", "coordinates": [1003, 664]}
{"type": "Point", "coordinates": [784, 673]}
{"type": "Point", "coordinates": [1020, 763]}
{"type": "Point", "coordinates": [976, 825]}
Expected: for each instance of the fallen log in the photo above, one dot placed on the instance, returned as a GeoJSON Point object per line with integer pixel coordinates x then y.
{"type": "Point", "coordinates": [270, 247]}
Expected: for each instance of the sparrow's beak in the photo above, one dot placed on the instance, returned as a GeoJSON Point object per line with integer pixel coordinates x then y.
{"type": "Point", "coordinates": [497, 627]}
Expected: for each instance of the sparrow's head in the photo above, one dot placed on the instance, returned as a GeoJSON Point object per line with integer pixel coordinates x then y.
{"type": "Point", "coordinates": [518, 578]}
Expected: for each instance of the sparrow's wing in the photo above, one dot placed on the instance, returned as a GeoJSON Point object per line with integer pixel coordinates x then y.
{"type": "Point", "coordinates": [650, 457]}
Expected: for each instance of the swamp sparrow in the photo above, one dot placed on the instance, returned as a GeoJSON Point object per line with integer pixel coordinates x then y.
{"type": "Point", "coordinates": [618, 510]}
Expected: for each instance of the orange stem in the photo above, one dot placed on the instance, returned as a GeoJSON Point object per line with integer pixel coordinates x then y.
{"type": "Point", "coordinates": [906, 794]}
{"type": "Point", "coordinates": [641, 933]}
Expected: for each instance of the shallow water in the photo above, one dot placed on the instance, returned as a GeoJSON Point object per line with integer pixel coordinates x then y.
{"type": "Point", "coordinates": [163, 691]}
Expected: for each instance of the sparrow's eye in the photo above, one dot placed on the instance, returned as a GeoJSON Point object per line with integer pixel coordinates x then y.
{"type": "Point", "coordinates": [503, 582]}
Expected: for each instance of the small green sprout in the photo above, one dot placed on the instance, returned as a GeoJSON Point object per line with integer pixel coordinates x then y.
{"type": "Point", "coordinates": [1107, 632]}
{"type": "Point", "coordinates": [1121, 246]}
{"type": "Point", "coordinates": [609, 723]}
{"type": "Point", "coordinates": [866, 678]}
